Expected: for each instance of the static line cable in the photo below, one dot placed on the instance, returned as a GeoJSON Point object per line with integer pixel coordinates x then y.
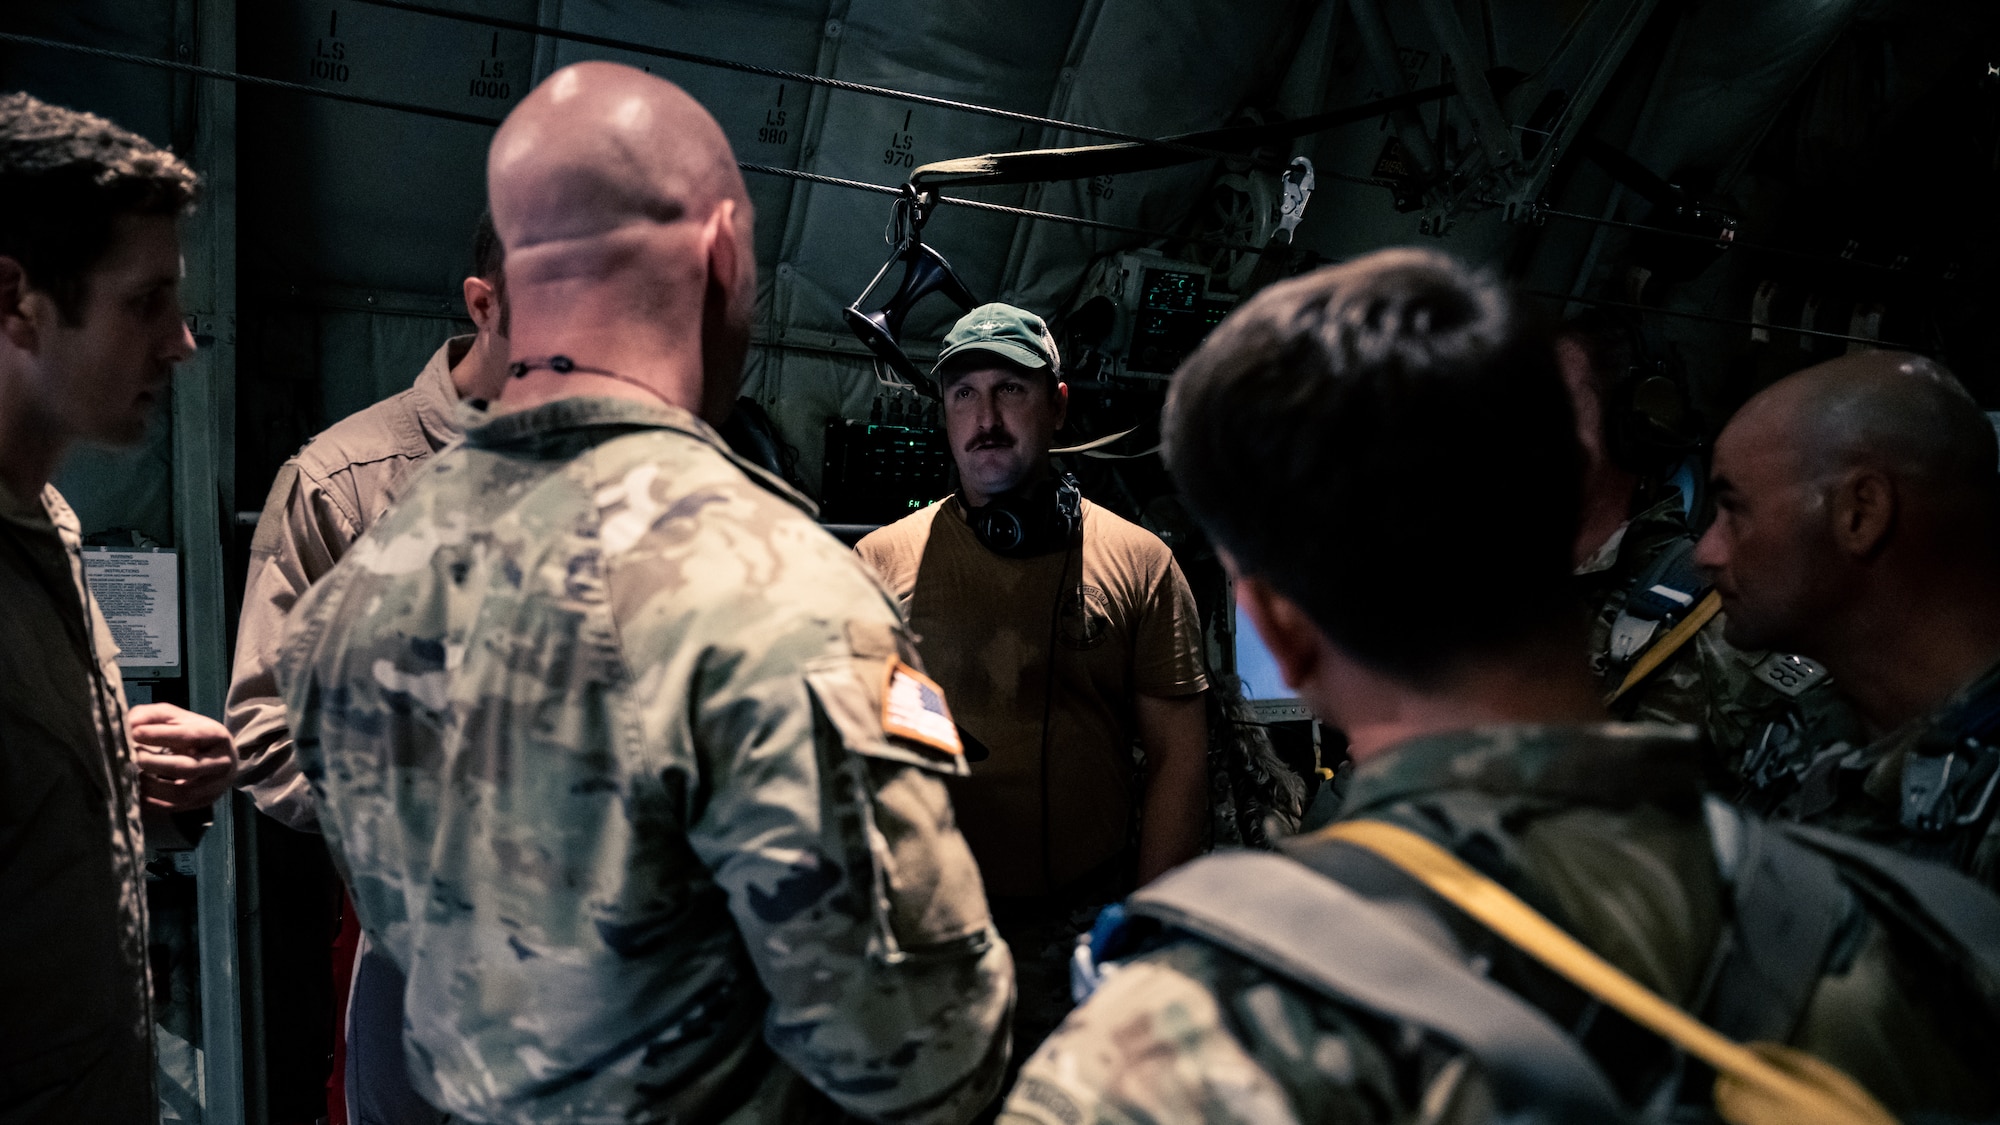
{"type": "Point", "coordinates": [1724, 244]}
{"type": "Point", "coordinates": [1767, 325]}
{"type": "Point", "coordinates": [1000, 208]}
{"type": "Point", "coordinates": [475, 119]}
{"type": "Point", "coordinates": [504, 24]}
{"type": "Point", "coordinates": [830, 181]}
{"type": "Point", "coordinates": [243, 79]}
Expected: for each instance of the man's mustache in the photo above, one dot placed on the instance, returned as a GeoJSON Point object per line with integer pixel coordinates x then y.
{"type": "Point", "coordinates": [995, 438]}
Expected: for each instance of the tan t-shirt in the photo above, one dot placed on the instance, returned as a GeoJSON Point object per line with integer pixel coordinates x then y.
{"type": "Point", "coordinates": [1125, 625]}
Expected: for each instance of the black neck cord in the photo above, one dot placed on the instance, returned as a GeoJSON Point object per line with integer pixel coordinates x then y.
{"type": "Point", "coordinates": [564, 365]}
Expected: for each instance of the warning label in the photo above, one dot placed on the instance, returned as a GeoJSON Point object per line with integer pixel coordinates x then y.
{"type": "Point", "coordinates": [138, 589]}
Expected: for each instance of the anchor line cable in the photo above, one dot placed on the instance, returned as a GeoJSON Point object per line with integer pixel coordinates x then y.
{"type": "Point", "coordinates": [1002, 208]}
{"type": "Point", "coordinates": [1712, 318]}
{"type": "Point", "coordinates": [242, 79]}
{"type": "Point", "coordinates": [1805, 256]}
{"type": "Point", "coordinates": [879, 189]}
{"type": "Point", "coordinates": [475, 119]}
{"type": "Point", "coordinates": [1018, 116]}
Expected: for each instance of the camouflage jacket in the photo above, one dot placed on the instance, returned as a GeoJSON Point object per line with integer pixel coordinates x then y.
{"type": "Point", "coordinates": [1762, 714]}
{"type": "Point", "coordinates": [321, 501]}
{"type": "Point", "coordinates": [598, 722]}
{"type": "Point", "coordinates": [1882, 790]}
{"type": "Point", "coordinates": [1600, 828]}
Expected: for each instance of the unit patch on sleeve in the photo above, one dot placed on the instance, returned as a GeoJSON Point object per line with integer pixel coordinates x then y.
{"type": "Point", "coordinates": [913, 707]}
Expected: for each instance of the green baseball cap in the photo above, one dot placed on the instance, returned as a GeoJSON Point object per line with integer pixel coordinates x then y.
{"type": "Point", "coordinates": [1015, 335]}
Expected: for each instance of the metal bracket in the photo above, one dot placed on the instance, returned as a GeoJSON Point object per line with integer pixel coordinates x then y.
{"type": "Point", "coordinates": [1298, 185]}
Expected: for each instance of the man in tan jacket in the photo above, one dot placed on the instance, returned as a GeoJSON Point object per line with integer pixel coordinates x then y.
{"type": "Point", "coordinates": [90, 334]}
{"type": "Point", "coordinates": [323, 499]}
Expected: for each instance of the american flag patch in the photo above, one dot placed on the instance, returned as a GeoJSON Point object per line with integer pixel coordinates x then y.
{"type": "Point", "coordinates": [913, 707]}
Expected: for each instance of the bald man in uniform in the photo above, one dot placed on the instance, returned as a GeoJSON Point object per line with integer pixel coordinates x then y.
{"type": "Point", "coordinates": [633, 770]}
{"type": "Point", "coordinates": [1858, 523]}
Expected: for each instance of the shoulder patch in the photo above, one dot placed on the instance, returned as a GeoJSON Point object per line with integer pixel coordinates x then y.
{"type": "Point", "coordinates": [913, 708]}
{"type": "Point", "coordinates": [1789, 673]}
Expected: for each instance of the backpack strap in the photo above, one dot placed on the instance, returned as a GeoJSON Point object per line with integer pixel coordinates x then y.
{"type": "Point", "coordinates": [1755, 1084]}
{"type": "Point", "coordinates": [1959, 916]}
{"type": "Point", "coordinates": [1273, 911]}
{"type": "Point", "coordinates": [1664, 648]}
{"type": "Point", "coordinates": [1789, 904]}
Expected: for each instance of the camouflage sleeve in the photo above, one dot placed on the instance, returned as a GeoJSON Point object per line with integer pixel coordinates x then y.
{"type": "Point", "coordinates": [856, 896]}
{"type": "Point", "coordinates": [1188, 1033]}
{"type": "Point", "coordinates": [299, 538]}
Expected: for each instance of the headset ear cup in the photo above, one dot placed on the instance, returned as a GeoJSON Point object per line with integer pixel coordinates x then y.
{"type": "Point", "coordinates": [1649, 422]}
{"type": "Point", "coordinates": [1035, 522]}
{"type": "Point", "coordinates": [1664, 416]}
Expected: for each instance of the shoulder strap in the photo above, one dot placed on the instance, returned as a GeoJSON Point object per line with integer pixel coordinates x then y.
{"type": "Point", "coordinates": [1664, 648]}
{"type": "Point", "coordinates": [1956, 909]}
{"type": "Point", "coordinates": [1789, 904]}
{"type": "Point", "coordinates": [1754, 1086]}
{"type": "Point", "coordinates": [1325, 937]}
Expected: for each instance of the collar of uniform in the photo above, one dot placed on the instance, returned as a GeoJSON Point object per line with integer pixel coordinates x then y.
{"type": "Point", "coordinates": [47, 512]}
{"type": "Point", "coordinates": [537, 424]}
{"type": "Point", "coordinates": [1883, 758]}
{"type": "Point", "coordinates": [437, 395]}
{"type": "Point", "coordinates": [1595, 763]}
{"type": "Point", "coordinates": [1607, 552]}
{"type": "Point", "coordinates": [14, 509]}
{"type": "Point", "coordinates": [1663, 520]}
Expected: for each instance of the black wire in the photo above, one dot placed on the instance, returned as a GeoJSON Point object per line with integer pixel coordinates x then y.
{"type": "Point", "coordinates": [474, 119]}
{"type": "Point", "coordinates": [243, 79]}
{"type": "Point", "coordinates": [1721, 243]}
{"type": "Point", "coordinates": [794, 76]}
{"type": "Point", "coordinates": [1773, 326]}
{"type": "Point", "coordinates": [1049, 691]}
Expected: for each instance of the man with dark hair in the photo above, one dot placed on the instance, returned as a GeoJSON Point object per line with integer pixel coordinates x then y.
{"type": "Point", "coordinates": [1064, 636]}
{"type": "Point", "coordinates": [322, 500]}
{"type": "Point", "coordinates": [1388, 968]}
{"type": "Point", "coordinates": [633, 769]}
{"type": "Point", "coordinates": [90, 331]}
{"type": "Point", "coordinates": [1657, 644]}
{"type": "Point", "coordinates": [1858, 521]}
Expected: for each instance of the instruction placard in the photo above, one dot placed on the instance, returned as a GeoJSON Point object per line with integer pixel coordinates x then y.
{"type": "Point", "coordinates": [138, 589]}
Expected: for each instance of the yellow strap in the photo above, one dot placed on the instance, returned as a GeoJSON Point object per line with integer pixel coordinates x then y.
{"type": "Point", "coordinates": [1756, 1084]}
{"type": "Point", "coordinates": [1668, 645]}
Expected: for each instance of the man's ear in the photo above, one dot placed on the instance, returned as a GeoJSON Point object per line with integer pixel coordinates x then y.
{"type": "Point", "coordinates": [482, 303]}
{"type": "Point", "coordinates": [1061, 393]}
{"type": "Point", "coordinates": [1863, 508]}
{"type": "Point", "coordinates": [1291, 637]}
{"type": "Point", "coordinates": [726, 253]}
{"type": "Point", "coordinates": [727, 302]}
{"type": "Point", "coordinates": [18, 301]}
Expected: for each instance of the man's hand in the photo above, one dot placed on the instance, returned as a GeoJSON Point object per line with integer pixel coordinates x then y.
{"type": "Point", "coordinates": [185, 760]}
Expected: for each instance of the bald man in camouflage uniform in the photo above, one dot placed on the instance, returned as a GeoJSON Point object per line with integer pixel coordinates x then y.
{"type": "Point", "coordinates": [631, 767]}
{"type": "Point", "coordinates": [1761, 713]}
{"type": "Point", "coordinates": [1858, 520]}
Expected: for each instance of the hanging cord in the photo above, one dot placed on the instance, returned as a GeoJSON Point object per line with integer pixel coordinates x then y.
{"type": "Point", "coordinates": [1049, 695]}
